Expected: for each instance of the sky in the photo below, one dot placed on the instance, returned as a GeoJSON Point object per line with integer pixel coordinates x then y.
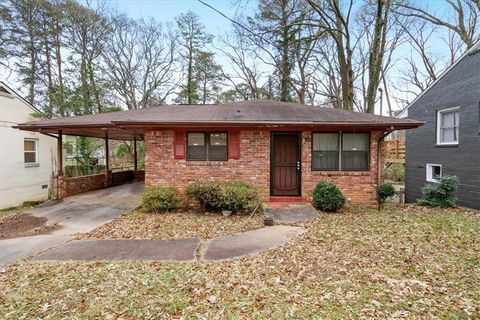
{"type": "Point", "coordinates": [166, 11]}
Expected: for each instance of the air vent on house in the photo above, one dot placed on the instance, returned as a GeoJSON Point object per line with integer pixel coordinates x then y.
{"type": "Point", "coordinates": [44, 186]}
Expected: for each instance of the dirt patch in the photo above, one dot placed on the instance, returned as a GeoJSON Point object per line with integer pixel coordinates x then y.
{"type": "Point", "coordinates": [24, 225]}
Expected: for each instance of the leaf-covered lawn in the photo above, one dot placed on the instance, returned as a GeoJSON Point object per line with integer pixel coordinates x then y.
{"type": "Point", "coordinates": [174, 225]}
{"type": "Point", "coordinates": [402, 263]}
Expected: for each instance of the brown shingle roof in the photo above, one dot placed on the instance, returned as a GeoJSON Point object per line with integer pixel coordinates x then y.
{"type": "Point", "coordinates": [253, 112]}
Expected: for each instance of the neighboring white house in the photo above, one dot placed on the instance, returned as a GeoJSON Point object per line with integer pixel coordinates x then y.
{"type": "Point", "coordinates": [27, 159]}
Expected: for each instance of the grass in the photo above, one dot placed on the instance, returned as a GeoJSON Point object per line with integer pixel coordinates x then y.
{"type": "Point", "coordinates": [174, 225]}
{"type": "Point", "coordinates": [404, 262]}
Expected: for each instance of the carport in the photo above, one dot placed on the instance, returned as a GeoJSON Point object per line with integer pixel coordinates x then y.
{"type": "Point", "coordinates": [93, 126]}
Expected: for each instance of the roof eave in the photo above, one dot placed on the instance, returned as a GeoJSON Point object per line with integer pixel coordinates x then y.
{"type": "Point", "coordinates": [404, 125]}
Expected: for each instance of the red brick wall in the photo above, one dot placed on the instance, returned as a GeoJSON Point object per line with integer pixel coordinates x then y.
{"type": "Point", "coordinates": [358, 186]}
{"type": "Point", "coordinates": [84, 183]}
{"type": "Point", "coordinates": [63, 186]}
{"type": "Point", "coordinates": [161, 169]}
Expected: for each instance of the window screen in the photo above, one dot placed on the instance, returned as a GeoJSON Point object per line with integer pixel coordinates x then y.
{"type": "Point", "coordinates": [30, 151]}
{"type": "Point", "coordinates": [207, 146]}
{"type": "Point", "coordinates": [196, 146]}
{"type": "Point", "coordinates": [325, 151]}
{"type": "Point", "coordinates": [355, 151]}
{"type": "Point", "coordinates": [217, 147]}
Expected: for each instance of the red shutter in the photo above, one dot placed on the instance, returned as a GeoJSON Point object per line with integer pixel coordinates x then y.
{"type": "Point", "coordinates": [234, 145]}
{"type": "Point", "coordinates": [179, 145]}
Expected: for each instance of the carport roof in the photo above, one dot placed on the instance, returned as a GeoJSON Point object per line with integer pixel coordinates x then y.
{"type": "Point", "coordinates": [126, 125]}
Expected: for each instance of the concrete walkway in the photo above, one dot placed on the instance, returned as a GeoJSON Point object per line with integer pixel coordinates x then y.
{"type": "Point", "coordinates": [130, 249]}
{"type": "Point", "coordinates": [77, 214]}
{"type": "Point", "coordinates": [249, 243]}
{"type": "Point", "coordinates": [227, 247]}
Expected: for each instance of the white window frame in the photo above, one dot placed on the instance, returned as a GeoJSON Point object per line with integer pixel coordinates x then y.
{"type": "Point", "coordinates": [439, 121]}
{"type": "Point", "coordinates": [430, 177]}
{"type": "Point", "coordinates": [31, 164]}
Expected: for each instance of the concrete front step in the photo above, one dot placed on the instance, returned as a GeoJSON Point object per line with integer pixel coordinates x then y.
{"type": "Point", "coordinates": [290, 213]}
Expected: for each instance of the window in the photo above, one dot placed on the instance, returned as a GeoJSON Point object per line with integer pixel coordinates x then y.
{"type": "Point", "coordinates": [447, 126]}
{"type": "Point", "coordinates": [355, 151]}
{"type": "Point", "coordinates": [340, 151]}
{"type": "Point", "coordinates": [207, 146]}
{"type": "Point", "coordinates": [30, 151]}
{"type": "Point", "coordinates": [325, 151]}
{"type": "Point", "coordinates": [434, 172]}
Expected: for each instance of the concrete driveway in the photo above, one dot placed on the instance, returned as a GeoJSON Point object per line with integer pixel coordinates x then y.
{"type": "Point", "coordinates": [77, 214]}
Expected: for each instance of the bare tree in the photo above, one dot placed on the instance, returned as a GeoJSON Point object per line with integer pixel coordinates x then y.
{"type": "Point", "coordinates": [335, 21]}
{"type": "Point", "coordinates": [140, 61]}
{"type": "Point", "coordinates": [244, 66]}
{"type": "Point", "coordinates": [462, 18]}
{"type": "Point", "coordinates": [377, 53]}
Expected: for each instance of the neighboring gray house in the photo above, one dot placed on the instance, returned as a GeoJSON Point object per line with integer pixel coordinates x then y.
{"type": "Point", "coordinates": [449, 142]}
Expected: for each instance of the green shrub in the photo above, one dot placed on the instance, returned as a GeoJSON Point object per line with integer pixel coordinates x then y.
{"type": "Point", "coordinates": [395, 172]}
{"type": "Point", "coordinates": [441, 194]}
{"type": "Point", "coordinates": [327, 197]}
{"type": "Point", "coordinates": [160, 199]}
{"type": "Point", "coordinates": [207, 193]}
{"type": "Point", "coordinates": [238, 196]}
{"type": "Point", "coordinates": [385, 191]}
{"type": "Point", "coordinates": [214, 196]}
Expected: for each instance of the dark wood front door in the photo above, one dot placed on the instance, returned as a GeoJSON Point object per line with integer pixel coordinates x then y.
{"type": "Point", "coordinates": [285, 164]}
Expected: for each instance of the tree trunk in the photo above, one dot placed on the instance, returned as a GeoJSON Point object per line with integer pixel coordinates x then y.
{"type": "Point", "coordinates": [190, 75]}
{"type": "Point", "coordinates": [377, 49]}
{"type": "Point", "coordinates": [58, 57]}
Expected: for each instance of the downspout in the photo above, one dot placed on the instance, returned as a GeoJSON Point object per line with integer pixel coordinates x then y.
{"type": "Point", "coordinates": [379, 156]}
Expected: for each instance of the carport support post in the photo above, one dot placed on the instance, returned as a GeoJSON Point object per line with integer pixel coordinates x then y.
{"type": "Point", "coordinates": [60, 154]}
{"type": "Point", "coordinates": [107, 166]}
{"type": "Point", "coordinates": [135, 161]}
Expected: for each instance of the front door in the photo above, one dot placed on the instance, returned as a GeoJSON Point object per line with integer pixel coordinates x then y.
{"type": "Point", "coordinates": [285, 164]}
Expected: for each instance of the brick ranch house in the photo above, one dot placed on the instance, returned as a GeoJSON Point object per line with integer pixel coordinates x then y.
{"type": "Point", "coordinates": [285, 149]}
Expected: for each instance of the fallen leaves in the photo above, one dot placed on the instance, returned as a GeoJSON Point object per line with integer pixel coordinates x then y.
{"type": "Point", "coordinates": [402, 263]}
{"type": "Point", "coordinates": [174, 225]}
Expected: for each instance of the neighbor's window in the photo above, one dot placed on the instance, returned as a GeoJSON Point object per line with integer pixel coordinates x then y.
{"type": "Point", "coordinates": [434, 172]}
{"type": "Point", "coordinates": [30, 151]}
{"type": "Point", "coordinates": [447, 126]}
{"type": "Point", "coordinates": [207, 146]}
{"type": "Point", "coordinates": [337, 151]}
